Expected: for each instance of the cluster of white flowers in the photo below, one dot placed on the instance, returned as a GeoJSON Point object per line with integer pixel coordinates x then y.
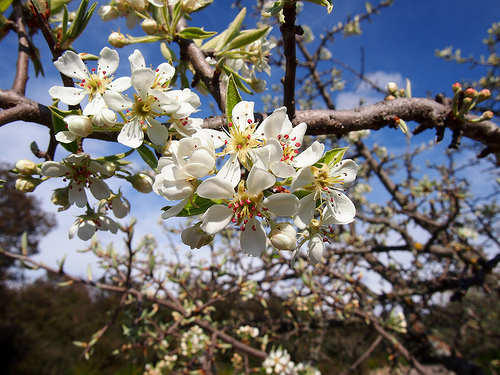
{"type": "Point", "coordinates": [249, 189]}
{"type": "Point", "coordinates": [279, 362]}
{"type": "Point", "coordinates": [153, 98]}
{"type": "Point", "coordinates": [193, 341]}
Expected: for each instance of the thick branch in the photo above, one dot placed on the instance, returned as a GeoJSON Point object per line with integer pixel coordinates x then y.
{"type": "Point", "coordinates": [288, 30]}
{"type": "Point", "coordinates": [19, 85]}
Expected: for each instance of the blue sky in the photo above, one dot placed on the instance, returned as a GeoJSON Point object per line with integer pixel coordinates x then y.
{"type": "Point", "coordinates": [400, 43]}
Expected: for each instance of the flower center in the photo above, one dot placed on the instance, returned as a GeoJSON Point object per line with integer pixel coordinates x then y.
{"type": "Point", "coordinates": [246, 206]}
{"type": "Point", "coordinates": [323, 180]}
{"type": "Point", "coordinates": [95, 85]}
{"type": "Point", "coordinates": [143, 108]}
{"type": "Point", "coordinates": [241, 141]}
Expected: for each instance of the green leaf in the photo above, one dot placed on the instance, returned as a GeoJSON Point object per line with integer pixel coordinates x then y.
{"type": "Point", "coordinates": [232, 30]}
{"type": "Point", "coordinates": [333, 156]}
{"type": "Point", "coordinates": [58, 116]}
{"type": "Point", "coordinates": [196, 33]}
{"type": "Point", "coordinates": [233, 97]}
{"type": "Point", "coordinates": [246, 37]}
{"type": "Point", "coordinates": [275, 9]}
{"type": "Point", "coordinates": [148, 156]}
{"type": "Point", "coordinates": [408, 88]}
{"type": "Point", "coordinates": [326, 3]}
{"type": "Point", "coordinates": [196, 206]}
{"type": "Point", "coordinates": [4, 4]}
{"type": "Point", "coordinates": [167, 52]}
{"type": "Point", "coordinates": [2, 182]}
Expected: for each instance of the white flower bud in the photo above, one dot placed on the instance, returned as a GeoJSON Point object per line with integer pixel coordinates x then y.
{"type": "Point", "coordinates": [188, 6]}
{"type": "Point", "coordinates": [141, 182]}
{"type": "Point", "coordinates": [392, 87]}
{"type": "Point", "coordinates": [60, 198]}
{"type": "Point", "coordinates": [79, 125]}
{"type": "Point", "coordinates": [108, 13]}
{"type": "Point", "coordinates": [258, 85]}
{"type": "Point", "coordinates": [27, 167]}
{"type": "Point", "coordinates": [139, 5]}
{"type": "Point", "coordinates": [117, 39]}
{"type": "Point", "coordinates": [195, 237]}
{"type": "Point", "coordinates": [283, 236]}
{"type": "Point", "coordinates": [106, 118]}
{"type": "Point", "coordinates": [149, 26]}
{"type": "Point", "coordinates": [110, 168]}
{"type": "Point", "coordinates": [122, 4]}
{"type": "Point", "coordinates": [27, 184]}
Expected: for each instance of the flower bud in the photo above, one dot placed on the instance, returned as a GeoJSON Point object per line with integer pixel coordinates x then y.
{"type": "Point", "coordinates": [456, 87]}
{"type": "Point", "coordinates": [149, 26]}
{"type": "Point", "coordinates": [27, 184]}
{"type": "Point", "coordinates": [110, 167]}
{"type": "Point", "coordinates": [139, 5]}
{"type": "Point", "coordinates": [141, 182]}
{"type": "Point", "coordinates": [108, 13]}
{"type": "Point", "coordinates": [258, 85]}
{"type": "Point", "coordinates": [60, 198]}
{"type": "Point", "coordinates": [392, 87]}
{"type": "Point", "coordinates": [187, 6]}
{"type": "Point", "coordinates": [106, 118]}
{"type": "Point", "coordinates": [470, 93]}
{"type": "Point", "coordinates": [27, 167]}
{"type": "Point", "coordinates": [195, 237]}
{"type": "Point", "coordinates": [122, 4]}
{"type": "Point", "coordinates": [483, 95]}
{"type": "Point", "coordinates": [79, 125]}
{"type": "Point", "coordinates": [283, 236]}
{"type": "Point", "coordinates": [117, 39]}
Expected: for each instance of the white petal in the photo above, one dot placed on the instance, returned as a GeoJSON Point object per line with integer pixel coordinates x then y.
{"type": "Point", "coordinates": [142, 80]}
{"type": "Point", "coordinates": [131, 134]}
{"type": "Point", "coordinates": [341, 208]}
{"type": "Point", "coordinates": [282, 170]}
{"type": "Point", "coordinates": [137, 60]}
{"type": "Point", "coordinates": [309, 156]}
{"type": "Point", "coordinates": [175, 210]}
{"type": "Point", "coordinates": [230, 171]}
{"type": "Point", "coordinates": [347, 169]}
{"type": "Point", "coordinates": [95, 106]}
{"type": "Point", "coordinates": [215, 188]}
{"type": "Point", "coordinates": [165, 71]}
{"type": "Point", "coordinates": [305, 213]}
{"type": "Point", "coordinates": [65, 137]}
{"type": "Point", "coordinates": [304, 177]}
{"type": "Point", "coordinates": [253, 239]}
{"type": "Point", "coordinates": [259, 180]}
{"type": "Point", "coordinates": [117, 101]}
{"type": "Point", "coordinates": [67, 95]}
{"type": "Point", "coordinates": [86, 230]}
{"type": "Point", "coordinates": [77, 195]}
{"type": "Point", "coordinates": [120, 207]}
{"type": "Point", "coordinates": [315, 249]}
{"type": "Point", "coordinates": [282, 204]}
{"type": "Point", "coordinates": [98, 188]}
{"type": "Point", "coordinates": [173, 190]}
{"type": "Point", "coordinates": [242, 113]}
{"type": "Point", "coordinates": [297, 133]}
{"type": "Point", "coordinates": [54, 169]}
{"type": "Point", "coordinates": [216, 218]}
{"type": "Point", "coordinates": [71, 65]}
{"type": "Point", "coordinates": [272, 125]}
{"type": "Point", "coordinates": [73, 228]}
{"type": "Point", "coordinates": [108, 62]}
{"type": "Point", "coordinates": [120, 84]}
{"type": "Point", "coordinates": [157, 133]}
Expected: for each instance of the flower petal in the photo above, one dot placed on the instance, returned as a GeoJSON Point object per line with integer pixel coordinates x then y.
{"type": "Point", "coordinates": [253, 239]}
{"type": "Point", "coordinates": [86, 230]}
{"type": "Point", "coordinates": [304, 177]}
{"type": "Point", "coordinates": [341, 208]}
{"type": "Point", "coordinates": [347, 169]}
{"type": "Point", "coordinates": [54, 169]}
{"type": "Point", "coordinates": [216, 188]}
{"type": "Point", "coordinates": [108, 62]}
{"type": "Point", "coordinates": [67, 95]}
{"type": "Point", "coordinates": [157, 133]}
{"type": "Point", "coordinates": [131, 134]}
{"type": "Point", "coordinates": [309, 156]}
{"type": "Point", "coordinates": [98, 188]}
{"type": "Point", "coordinates": [216, 218]}
{"type": "Point", "coordinates": [305, 212]}
{"type": "Point", "coordinates": [315, 249]}
{"type": "Point", "coordinates": [282, 204]}
{"type": "Point", "coordinates": [71, 65]}
{"type": "Point", "coordinates": [259, 180]}
{"type": "Point", "coordinates": [77, 194]}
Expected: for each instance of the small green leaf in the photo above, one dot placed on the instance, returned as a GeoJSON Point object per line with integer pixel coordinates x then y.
{"type": "Point", "coordinates": [148, 156]}
{"type": "Point", "coordinates": [233, 97]}
{"type": "Point", "coordinates": [4, 4]}
{"type": "Point", "coordinates": [246, 37]}
{"type": "Point", "coordinates": [2, 182]}
{"type": "Point", "coordinates": [167, 52]}
{"type": "Point", "coordinates": [232, 30]}
{"type": "Point", "coordinates": [24, 244]}
{"type": "Point", "coordinates": [89, 272]}
{"type": "Point", "coordinates": [333, 156]}
{"type": "Point", "coordinates": [326, 3]}
{"type": "Point", "coordinates": [196, 206]}
{"type": "Point", "coordinates": [275, 9]}
{"type": "Point", "coordinates": [196, 33]}
{"type": "Point", "coordinates": [408, 88]}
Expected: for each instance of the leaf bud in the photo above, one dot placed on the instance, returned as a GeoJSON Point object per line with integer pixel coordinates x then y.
{"type": "Point", "coordinates": [283, 236]}
{"type": "Point", "coordinates": [27, 167]}
{"type": "Point", "coordinates": [117, 39]}
{"type": "Point", "coordinates": [79, 125]}
{"type": "Point", "coordinates": [141, 182]}
{"type": "Point", "coordinates": [149, 26]}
